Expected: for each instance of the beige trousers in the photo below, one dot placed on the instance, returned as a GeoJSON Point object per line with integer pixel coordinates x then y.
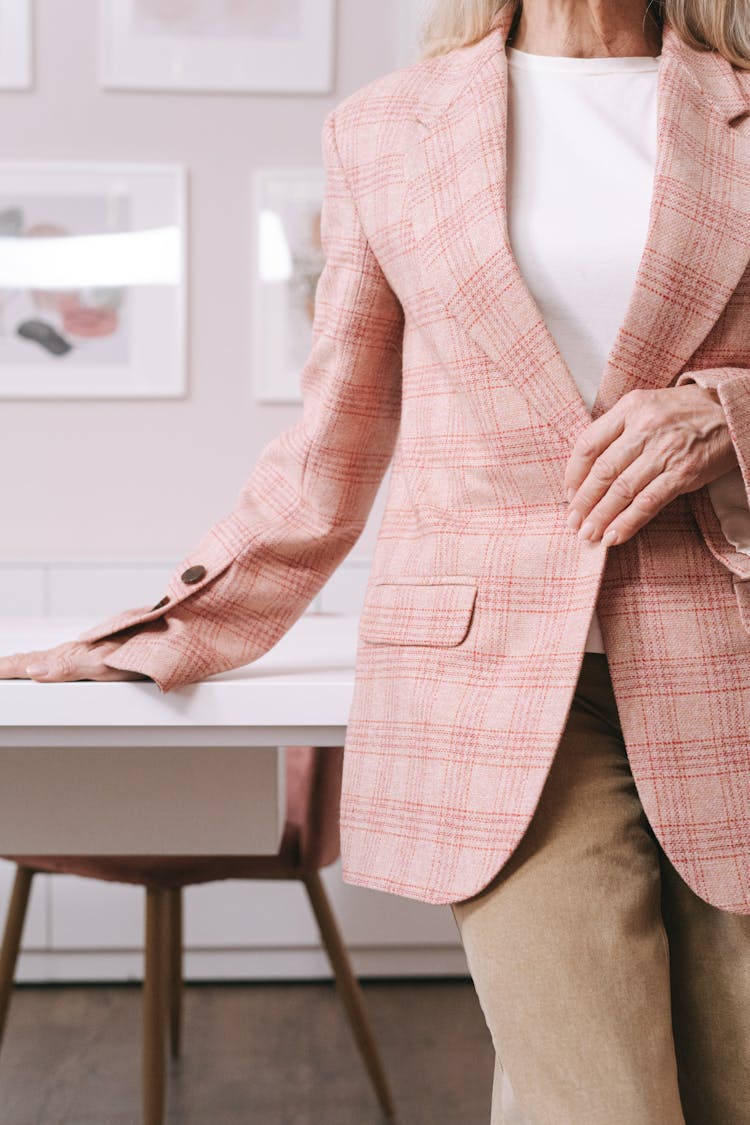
{"type": "Point", "coordinates": [613, 994]}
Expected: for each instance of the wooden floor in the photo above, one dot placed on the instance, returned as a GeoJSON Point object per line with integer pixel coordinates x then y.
{"type": "Point", "coordinates": [269, 1053]}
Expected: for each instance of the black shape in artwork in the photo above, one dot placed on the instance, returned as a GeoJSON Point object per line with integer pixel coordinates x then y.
{"type": "Point", "coordinates": [45, 335]}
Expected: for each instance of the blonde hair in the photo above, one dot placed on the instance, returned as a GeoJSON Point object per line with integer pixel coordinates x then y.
{"type": "Point", "coordinates": [720, 25]}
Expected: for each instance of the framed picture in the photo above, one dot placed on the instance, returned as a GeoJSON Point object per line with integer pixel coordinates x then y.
{"type": "Point", "coordinates": [15, 44]}
{"type": "Point", "coordinates": [92, 280]}
{"type": "Point", "coordinates": [255, 46]}
{"type": "Point", "coordinates": [289, 260]}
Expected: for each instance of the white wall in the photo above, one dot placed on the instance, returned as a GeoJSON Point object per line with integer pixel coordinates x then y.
{"type": "Point", "coordinates": [129, 479]}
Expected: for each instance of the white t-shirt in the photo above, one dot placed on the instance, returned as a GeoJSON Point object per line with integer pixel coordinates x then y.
{"type": "Point", "coordinates": [581, 157]}
{"type": "Point", "coordinates": [581, 153]}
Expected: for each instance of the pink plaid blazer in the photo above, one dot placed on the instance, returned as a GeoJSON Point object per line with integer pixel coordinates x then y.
{"type": "Point", "coordinates": [430, 355]}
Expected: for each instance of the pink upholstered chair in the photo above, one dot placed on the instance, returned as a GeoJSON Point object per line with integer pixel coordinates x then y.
{"type": "Point", "coordinates": [310, 841]}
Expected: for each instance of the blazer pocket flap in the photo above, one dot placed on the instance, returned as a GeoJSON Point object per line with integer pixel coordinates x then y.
{"type": "Point", "coordinates": [425, 612]}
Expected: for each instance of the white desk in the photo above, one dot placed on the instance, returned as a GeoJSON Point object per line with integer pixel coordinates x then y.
{"type": "Point", "coordinates": [122, 768]}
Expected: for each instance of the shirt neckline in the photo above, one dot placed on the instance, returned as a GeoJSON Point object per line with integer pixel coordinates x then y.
{"type": "Point", "coordinates": [608, 64]}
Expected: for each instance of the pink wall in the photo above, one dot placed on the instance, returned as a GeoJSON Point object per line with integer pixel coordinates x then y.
{"type": "Point", "coordinates": [135, 479]}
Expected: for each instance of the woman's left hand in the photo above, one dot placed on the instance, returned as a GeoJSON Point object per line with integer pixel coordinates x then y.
{"type": "Point", "coordinates": [650, 447]}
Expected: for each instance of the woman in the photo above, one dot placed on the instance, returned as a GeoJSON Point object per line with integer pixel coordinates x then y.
{"type": "Point", "coordinates": [549, 728]}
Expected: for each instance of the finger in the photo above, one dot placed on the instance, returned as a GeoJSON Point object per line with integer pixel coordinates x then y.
{"type": "Point", "coordinates": [13, 666]}
{"type": "Point", "coordinates": [620, 495]}
{"type": "Point", "coordinates": [70, 661]}
{"type": "Point", "coordinates": [605, 470]}
{"type": "Point", "coordinates": [655, 496]}
{"type": "Point", "coordinates": [46, 669]}
{"type": "Point", "coordinates": [75, 661]}
{"type": "Point", "coordinates": [589, 445]}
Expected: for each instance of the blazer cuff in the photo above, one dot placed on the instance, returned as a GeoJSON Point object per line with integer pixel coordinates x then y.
{"type": "Point", "coordinates": [722, 507]}
{"type": "Point", "coordinates": [210, 558]}
{"type": "Point", "coordinates": [166, 661]}
{"type": "Point", "coordinates": [133, 656]}
{"type": "Point", "coordinates": [218, 632]}
{"type": "Point", "coordinates": [732, 385]}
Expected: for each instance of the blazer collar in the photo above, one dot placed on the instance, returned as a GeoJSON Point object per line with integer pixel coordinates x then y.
{"type": "Point", "coordinates": [697, 246]}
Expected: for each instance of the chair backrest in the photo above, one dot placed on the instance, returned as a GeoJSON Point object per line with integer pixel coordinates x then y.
{"type": "Point", "coordinates": [313, 781]}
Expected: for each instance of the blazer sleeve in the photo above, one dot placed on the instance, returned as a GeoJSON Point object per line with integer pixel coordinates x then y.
{"type": "Point", "coordinates": [730, 494]}
{"type": "Point", "coordinates": [307, 498]}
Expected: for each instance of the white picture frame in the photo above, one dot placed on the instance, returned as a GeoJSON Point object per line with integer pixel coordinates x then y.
{"type": "Point", "coordinates": [287, 206]}
{"type": "Point", "coordinates": [254, 47]}
{"type": "Point", "coordinates": [93, 284]}
{"type": "Point", "coordinates": [15, 45]}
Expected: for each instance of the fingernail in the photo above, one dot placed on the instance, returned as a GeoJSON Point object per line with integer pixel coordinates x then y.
{"type": "Point", "coordinates": [574, 520]}
{"type": "Point", "coordinates": [36, 670]}
{"type": "Point", "coordinates": [587, 530]}
{"type": "Point", "coordinates": [609, 537]}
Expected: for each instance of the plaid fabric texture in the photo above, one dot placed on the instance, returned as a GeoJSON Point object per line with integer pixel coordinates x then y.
{"type": "Point", "coordinates": [429, 354]}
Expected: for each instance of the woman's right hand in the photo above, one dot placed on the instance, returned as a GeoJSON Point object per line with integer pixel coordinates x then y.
{"type": "Point", "coordinates": [71, 660]}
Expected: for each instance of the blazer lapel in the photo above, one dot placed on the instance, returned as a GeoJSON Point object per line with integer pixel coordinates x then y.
{"type": "Point", "coordinates": [698, 241]}
{"type": "Point", "coordinates": [697, 247]}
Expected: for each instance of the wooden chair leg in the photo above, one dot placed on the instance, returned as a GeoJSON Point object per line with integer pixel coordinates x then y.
{"type": "Point", "coordinates": [19, 901]}
{"type": "Point", "coordinates": [174, 970]}
{"type": "Point", "coordinates": [154, 1007]}
{"type": "Point", "coordinates": [349, 989]}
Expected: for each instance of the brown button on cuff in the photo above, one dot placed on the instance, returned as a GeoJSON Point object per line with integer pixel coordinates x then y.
{"type": "Point", "coordinates": [193, 574]}
{"type": "Point", "coordinates": [158, 605]}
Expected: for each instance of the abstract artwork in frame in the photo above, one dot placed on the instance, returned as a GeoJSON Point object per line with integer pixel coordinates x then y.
{"type": "Point", "coordinates": [252, 46]}
{"type": "Point", "coordinates": [15, 44]}
{"type": "Point", "coordinates": [92, 280]}
{"type": "Point", "coordinates": [289, 260]}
